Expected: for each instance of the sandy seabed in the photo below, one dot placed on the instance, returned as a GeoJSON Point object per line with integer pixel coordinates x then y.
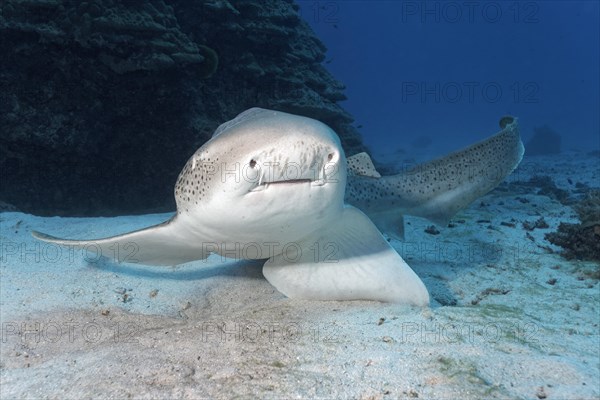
{"type": "Point", "coordinates": [509, 317]}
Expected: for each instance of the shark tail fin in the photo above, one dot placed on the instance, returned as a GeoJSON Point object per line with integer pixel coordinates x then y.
{"type": "Point", "coordinates": [438, 189]}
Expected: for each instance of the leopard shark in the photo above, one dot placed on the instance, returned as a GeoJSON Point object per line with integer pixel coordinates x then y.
{"type": "Point", "coordinates": [278, 187]}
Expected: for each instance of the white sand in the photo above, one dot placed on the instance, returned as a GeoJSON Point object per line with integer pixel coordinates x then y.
{"type": "Point", "coordinates": [495, 329]}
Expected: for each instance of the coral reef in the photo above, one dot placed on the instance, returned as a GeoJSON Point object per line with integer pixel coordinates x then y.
{"type": "Point", "coordinates": [547, 187]}
{"type": "Point", "coordinates": [588, 209]}
{"type": "Point", "coordinates": [581, 241]}
{"type": "Point", "coordinates": [5, 207]}
{"type": "Point", "coordinates": [544, 141]}
{"type": "Point", "coordinates": [103, 101]}
{"type": "Point", "coordinates": [540, 223]}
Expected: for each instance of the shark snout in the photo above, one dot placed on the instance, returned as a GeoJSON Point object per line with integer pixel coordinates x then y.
{"type": "Point", "coordinates": [316, 169]}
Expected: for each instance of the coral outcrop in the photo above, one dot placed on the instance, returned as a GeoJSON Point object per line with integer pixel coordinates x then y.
{"type": "Point", "coordinates": [581, 241]}
{"type": "Point", "coordinates": [545, 140]}
{"type": "Point", "coordinates": [103, 101]}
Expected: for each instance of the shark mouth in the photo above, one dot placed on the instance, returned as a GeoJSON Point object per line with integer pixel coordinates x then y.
{"type": "Point", "coordinates": [266, 185]}
{"type": "Point", "coordinates": [313, 179]}
{"type": "Point", "coordinates": [288, 181]}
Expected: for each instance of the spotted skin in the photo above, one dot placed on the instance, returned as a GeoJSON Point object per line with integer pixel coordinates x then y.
{"type": "Point", "coordinates": [361, 164]}
{"type": "Point", "coordinates": [438, 189]}
{"type": "Point", "coordinates": [195, 180]}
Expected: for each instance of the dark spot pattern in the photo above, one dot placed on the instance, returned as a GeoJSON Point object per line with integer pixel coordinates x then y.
{"type": "Point", "coordinates": [361, 164]}
{"type": "Point", "coordinates": [482, 166]}
{"type": "Point", "coordinates": [195, 180]}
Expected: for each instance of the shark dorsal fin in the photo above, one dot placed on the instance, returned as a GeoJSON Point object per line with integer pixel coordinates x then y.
{"type": "Point", "coordinates": [361, 164]}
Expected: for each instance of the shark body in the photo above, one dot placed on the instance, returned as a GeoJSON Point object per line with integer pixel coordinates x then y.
{"type": "Point", "coordinates": [438, 189]}
{"type": "Point", "coordinates": [276, 186]}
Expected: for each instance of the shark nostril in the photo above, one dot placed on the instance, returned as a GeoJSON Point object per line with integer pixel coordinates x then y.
{"type": "Point", "coordinates": [252, 163]}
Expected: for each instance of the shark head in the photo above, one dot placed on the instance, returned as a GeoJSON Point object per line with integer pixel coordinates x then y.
{"type": "Point", "coordinates": [265, 174]}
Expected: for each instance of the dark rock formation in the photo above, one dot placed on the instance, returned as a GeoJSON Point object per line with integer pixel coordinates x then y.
{"type": "Point", "coordinates": [547, 187]}
{"type": "Point", "coordinates": [581, 241]}
{"type": "Point", "coordinates": [103, 101]}
{"type": "Point", "coordinates": [540, 223]}
{"type": "Point", "coordinates": [544, 141]}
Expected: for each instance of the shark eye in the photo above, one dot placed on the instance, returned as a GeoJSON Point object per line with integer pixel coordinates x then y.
{"type": "Point", "coordinates": [252, 163]}
{"type": "Point", "coordinates": [330, 156]}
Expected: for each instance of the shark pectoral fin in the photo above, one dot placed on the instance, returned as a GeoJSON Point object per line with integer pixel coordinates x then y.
{"type": "Point", "coordinates": [391, 223]}
{"type": "Point", "coordinates": [163, 244]}
{"type": "Point", "coordinates": [348, 261]}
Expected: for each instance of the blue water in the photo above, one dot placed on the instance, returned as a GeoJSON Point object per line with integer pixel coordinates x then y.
{"type": "Point", "coordinates": [448, 70]}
